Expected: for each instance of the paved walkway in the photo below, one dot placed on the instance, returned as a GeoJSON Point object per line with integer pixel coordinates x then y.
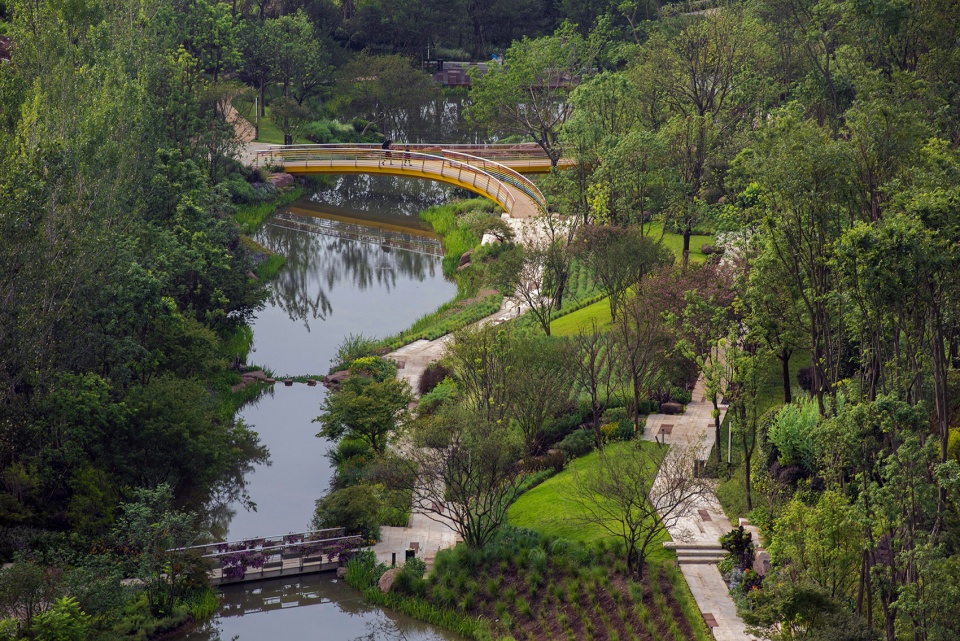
{"type": "Point", "coordinates": [427, 535]}
{"type": "Point", "coordinates": [700, 530]}
{"type": "Point", "coordinates": [413, 359]}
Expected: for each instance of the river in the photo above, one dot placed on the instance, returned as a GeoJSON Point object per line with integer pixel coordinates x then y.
{"type": "Point", "coordinates": [367, 280]}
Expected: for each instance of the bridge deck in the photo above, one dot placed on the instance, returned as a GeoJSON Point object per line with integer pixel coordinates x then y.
{"type": "Point", "coordinates": [287, 567]}
{"type": "Point", "coordinates": [493, 179]}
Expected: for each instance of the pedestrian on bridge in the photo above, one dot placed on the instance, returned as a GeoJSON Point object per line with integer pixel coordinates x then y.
{"type": "Point", "coordinates": [406, 156]}
{"type": "Point", "coordinates": [386, 147]}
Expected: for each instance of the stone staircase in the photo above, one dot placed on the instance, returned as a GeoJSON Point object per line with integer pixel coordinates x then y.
{"type": "Point", "coordinates": [696, 553]}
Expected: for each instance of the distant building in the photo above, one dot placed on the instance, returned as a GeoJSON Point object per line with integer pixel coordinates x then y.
{"type": "Point", "coordinates": [453, 74]}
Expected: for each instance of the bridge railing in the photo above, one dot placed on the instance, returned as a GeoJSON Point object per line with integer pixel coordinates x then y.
{"type": "Point", "coordinates": [292, 540]}
{"type": "Point", "coordinates": [504, 173]}
{"type": "Point", "coordinates": [512, 151]}
{"type": "Point", "coordinates": [361, 158]}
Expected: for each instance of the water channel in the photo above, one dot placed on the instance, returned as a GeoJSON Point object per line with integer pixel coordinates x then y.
{"type": "Point", "coordinates": [359, 261]}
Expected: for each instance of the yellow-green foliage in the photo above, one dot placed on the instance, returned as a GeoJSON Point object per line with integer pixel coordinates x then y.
{"type": "Point", "coordinates": [569, 325]}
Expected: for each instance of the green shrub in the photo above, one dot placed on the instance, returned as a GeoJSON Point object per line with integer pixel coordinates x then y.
{"type": "Point", "coordinates": [376, 367]}
{"type": "Point", "coordinates": [407, 582]}
{"type": "Point", "coordinates": [356, 508]}
{"type": "Point", "coordinates": [609, 432]}
{"type": "Point", "coordinates": [578, 443]}
{"type": "Point", "coordinates": [241, 192]}
{"type": "Point", "coordinates": [554, 462]}
{"type": "Point", "coordinates": [792, 432]}
{"type": "Point", "coordinates": [65, 621]}
{"type": "Point", "coordinates": [559, 428]}
{"type": "Point", "coordinates": [615, 415]}
{"type": "Point", "coordinates": [625, 430]}
{"type": "Point", "coordinates": [9, 629]}
{"type": "Point", "coordinates": [353, 347]}
{"type": "Point", "coordinates": [681, 395]}
{"type": "Point", "coordinates": [350, 451]}
{"type": "Point", "coordinates": [363, 570]}
{"type": "Point", "coordinates": [439, 395]}
{"type": "Point", "coordinates": [416, 567]}
{"type": "Point", "coordinates": [318, 131]}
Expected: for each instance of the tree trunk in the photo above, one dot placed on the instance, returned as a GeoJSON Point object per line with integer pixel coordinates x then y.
{"type": "Point", "coordinates": [636, 407]}
{"type": "Point", "coordinates": [716, 423]}
{"type": "Point", "coordinates": [477, 37]}
{"type": "Point", "coordinates": [561, 285]}
{"type": "Point", "coordinates": [262, 108]}
{"type": "Point", "coordinates": [746, 479]}
{"type": "Point", "coordinates": [686, 247]}
{"type": "Point", "coordinates": [785, 369]}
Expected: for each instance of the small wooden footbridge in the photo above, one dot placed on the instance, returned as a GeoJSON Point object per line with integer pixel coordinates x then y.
{"type": "Point", "coordinates": [275, 556]}
{"type": "Point", "coordinates": [493, 171]}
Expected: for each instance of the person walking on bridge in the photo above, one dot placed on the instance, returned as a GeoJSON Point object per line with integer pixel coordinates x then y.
{"type": "Point", "coordinates": [386, 147]}
{"type": "Point", "coordinates": [406, 156]}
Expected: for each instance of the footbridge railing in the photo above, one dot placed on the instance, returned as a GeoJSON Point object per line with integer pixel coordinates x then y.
{"type": "Point", "coordinates": [297, 552]}
{"type": "Point", "coordinates": [502, 172]}
{"type": "Point", "coordinates": [374, 160]}
{"type": "Point", "coordinates": [494, 151]}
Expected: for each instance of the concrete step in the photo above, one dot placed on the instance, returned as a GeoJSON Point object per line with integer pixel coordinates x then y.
{"type": "Point", "coordinates": [673, 545]}
{"type": "Point", "coordinates": [717, 552]}
{"type": "Point", "coordinates": [699, 553]}
{"type": "Point", "coordinates": [700, 558]}
{"type": "Point", "coordinates": [684, 560]}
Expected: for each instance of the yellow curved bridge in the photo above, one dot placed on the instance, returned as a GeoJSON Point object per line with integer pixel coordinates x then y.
{"type": "Point", "coordinates": [493, 171]}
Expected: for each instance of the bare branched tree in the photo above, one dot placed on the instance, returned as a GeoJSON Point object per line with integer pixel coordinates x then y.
{"type": "Point", "coordinates": [636, 493]}
{"type": "Point", "coordinates": [532, 284]}
{"type": "Point", "coordinates": [594, 364]}
{"type": "Point", "coordinates": [481, 358]}
{"type": "Point", "coordinates": [644, 346]}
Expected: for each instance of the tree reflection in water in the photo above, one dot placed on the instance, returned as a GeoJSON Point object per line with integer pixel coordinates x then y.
{"type": "Point", "coordinates": [390, 194]}
{"type": "Point", "coordinates": [248, 610]}
{"type": "Point", "coordinates": [317, 264]}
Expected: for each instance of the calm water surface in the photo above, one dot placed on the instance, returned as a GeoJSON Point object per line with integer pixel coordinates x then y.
{"type": "Point", "coordinates": [330, 287]}
{"type": "Point", "coordinates": [314, 609]}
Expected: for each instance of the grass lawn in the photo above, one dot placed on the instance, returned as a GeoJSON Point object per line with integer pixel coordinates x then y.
{"type": "Point", "coordinates": [675, 242]}
{"type": "Point", "coordinates": [548, 510]}
{"type": "Point", "coordinates": [268, 131]}
{"type": "Point", "coordinates": [570, 324]}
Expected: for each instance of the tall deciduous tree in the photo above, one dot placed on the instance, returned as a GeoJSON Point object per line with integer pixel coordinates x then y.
{"type": "Point", "coordinates": [619, 257]}
{"type": "Point", "coordinates": [644, 344]}
{"type": "Point", "coordinates": [529, 94]}
{"type": "Point", "coordinates": [381, 88]}
{"type": "Point", "coordinates": [696, 85]}
{"type": "Point", "coordinates": [483, 363]}
{"type": "Point", "coordinates": [541, 389]}
{"type": "Point", "coordinates": [594, 365]}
